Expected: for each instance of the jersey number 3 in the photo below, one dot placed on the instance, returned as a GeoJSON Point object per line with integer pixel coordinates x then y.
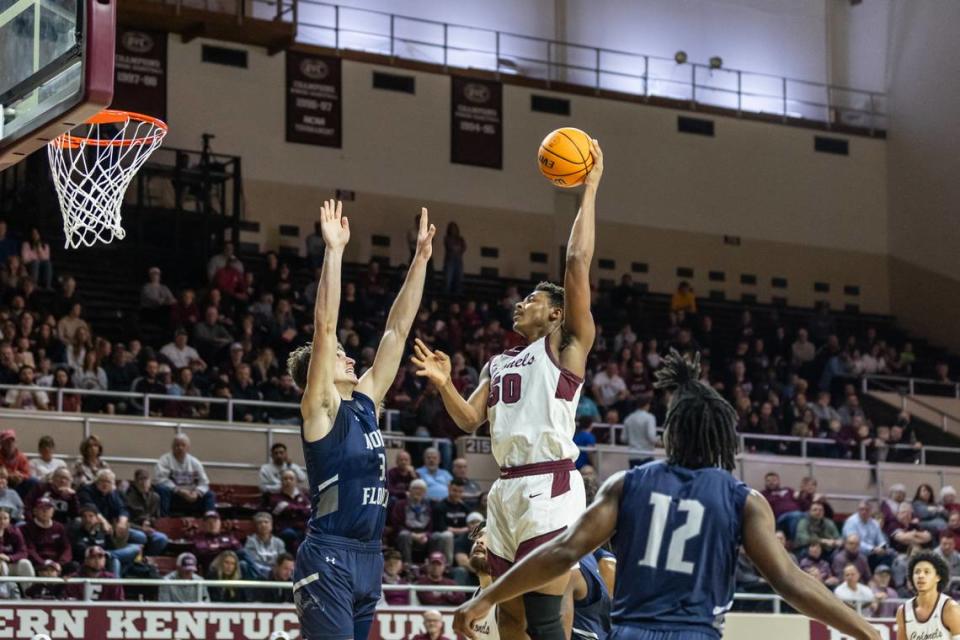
{"type": "Point", "coordinates": [678, 537]}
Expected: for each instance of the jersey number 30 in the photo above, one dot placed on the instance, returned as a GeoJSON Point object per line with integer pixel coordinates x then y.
{"type": "Point", "coordinates": [678, 537]}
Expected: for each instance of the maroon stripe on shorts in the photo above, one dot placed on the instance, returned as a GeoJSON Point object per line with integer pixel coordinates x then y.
{"type": "Point", "coordinates": [528, 546]}
{"type": "Point", "coordinates": [537, 469]}
{"type": "Point", "coordinates": [561, 484]}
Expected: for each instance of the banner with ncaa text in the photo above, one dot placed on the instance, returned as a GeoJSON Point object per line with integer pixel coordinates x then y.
{"type": "Point", "coordinates": [140, 80]}
{"type": "Point", "coordinates": [313, 99]}
{"type": "Point", "coordinates": [476, 135]}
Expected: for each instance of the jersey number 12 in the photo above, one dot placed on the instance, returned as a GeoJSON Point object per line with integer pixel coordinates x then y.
{"type": "Point", "coordinates": [678, 537]}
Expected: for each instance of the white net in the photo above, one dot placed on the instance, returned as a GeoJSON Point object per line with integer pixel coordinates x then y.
{"type": "Point", "coordinates": [92, 167]}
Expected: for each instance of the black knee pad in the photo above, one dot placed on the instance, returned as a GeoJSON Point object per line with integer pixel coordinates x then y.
{"type": "Point", "coordinates": [543, 616]}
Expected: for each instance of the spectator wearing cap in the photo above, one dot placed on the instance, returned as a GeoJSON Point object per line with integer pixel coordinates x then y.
{"type": "Point", "coordinates": [46, 538]}
{"type": "Point", "coordinates": [94, 563]}
{"type": "Point", "coordinates": [104, 495]}
{"type": "Point", "coordinates": [435, 477]}
{"type": "Point", "coordinates": [263, 547]}
{"type": "Point", "coordinates": [400, 476]}
{"type": "Point", "coordinates": [60, 491]}
{"type": "Point", "coordinates": [180, 354]}
{"type": "Point", "coordinates": [948, 551]}
{"type": "Point", "coordinates": [155, 297]}
{"type": "Point", "coordinates": [393, 573]}
{"type": "Point", "coordinates": [279, 462]}
{"type": "Point", "coordinates": [290, 508]}
{"type": "Point", "coordinates": [181, 481]}
{"type": "Point", "coordinates": [94, 530]}
{"type": "Point", "coordinates": [10, 500]}
{"type": "Point", "coordinates": [212, 539]}
{"type": "Point", "coordinates": [13, 550]}
{"type": "Point", "coordinates": [143, 502]}
{"type": "Point", "coordinates": [43, 467]}
{"type": "Point", "coordinates": [433, 627]}
{"type": "Point", "coordinates": [434, 576]}
{"type": "Point", "coordinates": [46, 591]}
{"type": "Point", "coordinates": [185, 594]}
{"type": "Point", "coordinates": [16, 464]}
{"type": "Point", "coordinates": [282, 572]}
{"type": "Point", "coordinates": [883, 592]}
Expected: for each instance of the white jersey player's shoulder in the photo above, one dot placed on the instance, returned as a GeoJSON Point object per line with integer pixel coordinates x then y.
{"type": "Point", "coordinates": [934, 627]}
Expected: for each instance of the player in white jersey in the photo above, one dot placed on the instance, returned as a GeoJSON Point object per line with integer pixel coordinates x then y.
{"type": "Point", "coordinates": [486, 628]}
{"type": "Point", "coordinates": [529, 395]}
{"type": "Point", "coordinates": [931, 615]}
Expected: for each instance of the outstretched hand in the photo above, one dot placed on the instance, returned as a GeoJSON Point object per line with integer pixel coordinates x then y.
{"type": "Point", "coordinates": [593, 177]}
{"type": "Point", "coordinates": [433, 365]}
{"type": "Point", "coordinates": [425, 235]}
{"type": "Point", "coordinates": [334, 226]}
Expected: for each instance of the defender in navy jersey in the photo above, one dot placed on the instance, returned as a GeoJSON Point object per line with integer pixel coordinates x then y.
{"type": "Point", "coordinates": [590, 599]}
{"type": "Point", "coordinates": [676, 527]}
{"type": "Point", "coordinates": [339, 565]}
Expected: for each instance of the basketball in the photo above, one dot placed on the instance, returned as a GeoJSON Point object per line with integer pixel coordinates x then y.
{"type": "Point", "coordinates": [564, 157]}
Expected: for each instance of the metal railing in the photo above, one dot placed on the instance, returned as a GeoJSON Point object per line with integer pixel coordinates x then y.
{"type": "Point", "coordinates": [775, 600]}
{"type": "Point", "coordinates": [388, 416]}
{"type": "Point", "coordinates": [906, 389]}
{"type": "Point", "coordinates": [599, 68]}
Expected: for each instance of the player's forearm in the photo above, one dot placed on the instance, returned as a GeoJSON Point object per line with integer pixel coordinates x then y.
{"type": "Point", "coordinates": [463, 414]}
{"type": "Point", "coordinates": [404, 309]}
{"type": "Point", "coordinates": [809, 597]}
{"type": "Point", "coordinates": [582, 236]}
{"type": "Point", "coordinates": [328, 291]}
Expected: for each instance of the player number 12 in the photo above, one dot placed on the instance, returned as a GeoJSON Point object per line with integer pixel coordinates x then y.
{"type": "Point", "coordinates": [679, 537]}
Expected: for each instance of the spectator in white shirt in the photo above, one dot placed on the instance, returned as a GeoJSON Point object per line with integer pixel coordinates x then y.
{"type": "Point", "coordinates": [641, 429]}
{"type": "Point", "coordinates": [852, 591]}
{"type": "Point", "coordinates": [179, 353]}
{"type": "Point", "coordinates": [608, 387]}
{"type": "Point", "coordinates": [43, 467]}
{"type": "Point", "coordinates": [279, 462]}
{"type": "Point", "coordinates": [802, 349]}
{"type": "Point", "coordinates": [27, 399]}
{"type": "Point", "coordinates": [262, 546]}
{"type": "Point", "coordinates": [154, 295]}
{"type": "Point", "coordinates": [181, 481]}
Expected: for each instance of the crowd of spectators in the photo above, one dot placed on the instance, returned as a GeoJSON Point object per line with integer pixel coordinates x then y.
{"type": "Point", "coordinates": [864, 556]}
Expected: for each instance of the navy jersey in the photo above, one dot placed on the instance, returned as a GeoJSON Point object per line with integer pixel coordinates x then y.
{"type": "Point", "coordinates": [347, 474]}
{"type": "Point", "coordinates": [678, 531]}
{"type": "Point", "coordinates": [591, 616]}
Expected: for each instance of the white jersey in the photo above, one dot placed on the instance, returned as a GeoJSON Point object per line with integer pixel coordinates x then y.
{"type": "Point", "coordinates": [532, 406]}
{"type": "Point", "coordinates": [487, 629]}
{"type": "Point", "coordinates": [933, 627]}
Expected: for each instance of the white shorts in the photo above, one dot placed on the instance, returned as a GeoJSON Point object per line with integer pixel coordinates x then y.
{"type": "Point", "coordinates": [527, 507]}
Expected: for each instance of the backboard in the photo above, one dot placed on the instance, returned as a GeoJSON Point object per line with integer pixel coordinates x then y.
{"type": "Point", "coordinates": [56, 69]}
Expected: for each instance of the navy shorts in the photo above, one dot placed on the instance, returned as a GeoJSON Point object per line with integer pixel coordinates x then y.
{"type": "Point", "coordinates": [624, 632]}
{"type": "Point", "coordinates": [336, 586]}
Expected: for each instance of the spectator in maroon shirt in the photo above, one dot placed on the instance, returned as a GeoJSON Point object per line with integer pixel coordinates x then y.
{"type": "Point", "coordinates": [46, 591]}
{"type": "Point", "coordinates": [434, 575]}
{"type": "Point", "coordinates": [290, 508]}
{"type": "Point", "coordinates": [433, 625]}
{"type": "Point", "coordinates": [59, 490]}
{"type": "Point", "coordinates": [13, 550]}
{"type": "Point", "coordinates": [45, 537]}
{"type": "Point", "coordinates": [18, 467]}
{"type": "Point", "coordinates": [785, 507]}
{"type": "Point", "coordinates": [393, 573]}
{"type": "Point", "coordinates": [212, 539]}
{"type": "Point", "coordinates": [400, 476]}
{"type": "Point", "coordinates": [94, 561]}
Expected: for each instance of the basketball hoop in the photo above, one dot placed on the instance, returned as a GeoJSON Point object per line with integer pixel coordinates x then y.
{"type": "Point", "coordinates": [92, 166]}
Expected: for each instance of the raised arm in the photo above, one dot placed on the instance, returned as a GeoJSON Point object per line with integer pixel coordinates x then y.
{"type": "Point", "coordinates": [320, 398]}
{"type": "Point", "coordinates": [804, 592]}
{"type": "Point", "coordinates": [578, 324]}
{"type": "Point", "coordinates": [377, 380]}
{"type": "Point", "coordinates": [550, 561]}
{"type": "Point", "coordinates": [468, 414]}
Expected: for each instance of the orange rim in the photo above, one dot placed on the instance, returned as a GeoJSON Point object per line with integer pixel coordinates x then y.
{"type": "Point", "coordinates": [114, 116]}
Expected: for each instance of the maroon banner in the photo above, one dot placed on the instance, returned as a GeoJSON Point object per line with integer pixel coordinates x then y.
{"type": "Point", "coordinates": [313, 99]}
{"type": "Point", "coordinates": [476, 135]}
{"type": "Point", "coordinates": [820, 631]}
{"type": "Point", "coordinates": [139, 621]}
{"type": "Point", "coordinates": [140, 83]}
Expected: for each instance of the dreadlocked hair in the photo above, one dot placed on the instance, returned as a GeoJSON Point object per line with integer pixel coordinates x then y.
{"type": "Point", "coordinates": [700, 429]}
